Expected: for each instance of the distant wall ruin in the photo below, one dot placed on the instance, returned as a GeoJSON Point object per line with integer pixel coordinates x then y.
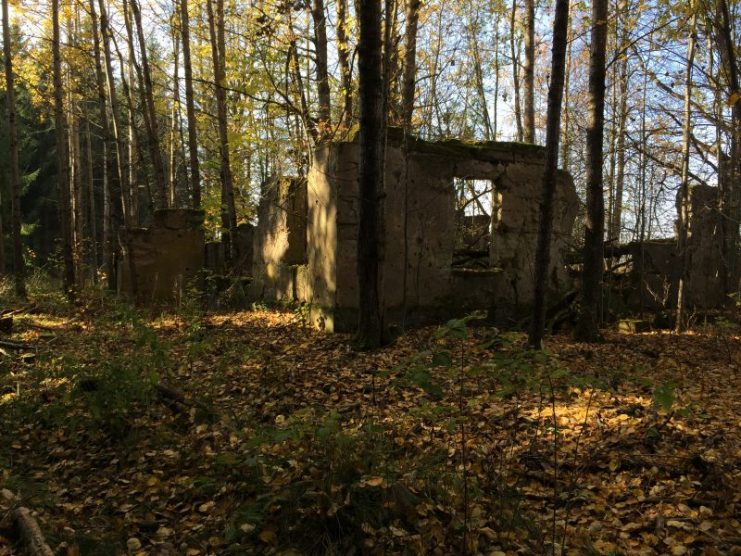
{"type": "Point", "coordinates": [655, 265]}
{"type": "Point", "coordinates": [163, 257]}
{"type": "Point", "coordinates": [430, 238]}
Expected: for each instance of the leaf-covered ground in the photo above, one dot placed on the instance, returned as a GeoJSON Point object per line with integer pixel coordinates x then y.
{"type": "Point", "coordinates": [288, 442]}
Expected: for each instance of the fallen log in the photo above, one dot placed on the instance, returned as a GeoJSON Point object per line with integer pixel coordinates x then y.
{"type": "Point", "coordinates": [14, 345]}
{"type": "Point", "coordinates": [25, 525]}
{"type": "Point", "coordinates": [30, 533]}
{"type": "Point", "coordinates": [173, 394]}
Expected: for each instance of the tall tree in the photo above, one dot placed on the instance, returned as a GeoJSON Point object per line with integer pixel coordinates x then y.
{"type": "Point", "coordinates": [591, 296]}
{"type": "Point", "coordinates": [370, 323]}
{"type": "Point", "coordinates": [343, 58]}
{"type": "Point", "coordinates": [19, 268]}
{"type": "Point", "coordinates": [322, 73]}
{"type": "Point", "coordinates": [175, 123]}
{"type": "Point", "coordinates": [731, 183]}
{"type": "Point", "coordinates": [553, 129]}
{"type": "Point", "coordinates": [190, 107]}
{"type": "Point", "coordinates": [409, 77]}
{"type": "Point", "coordinates": [684, 191]}
{"type": "Point", "coordinates": [513, 46]}
{"type": "Point", "coordinates": [152, 125]}
{"type": "Point", "coordinates": [616, 215]}
{"type": "Point", "coordinates": [112, 173]}
{"type": "Point", "coordinates": [528, 73]}
{"type": "Point", "coordinates": [218, 54]}
{"type": "Point", "coordinates": [68, 273]}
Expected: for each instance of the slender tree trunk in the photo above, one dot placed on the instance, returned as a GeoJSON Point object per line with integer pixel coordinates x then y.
{"type": "Point", "coordinates": [135, 80]}
{"type": "Point", "coordinates": [370, 323]}
{"type": "Point", "coordinates": [74, 154]}
{"type": "Point", "coordinates": [515, 70]}
{"type": "Point", "coordinates": [528, 71]}
{"type": "Point", "coordinates": [495, 118]}
{"type": "Point", "coordinates": [343, 57]}
{"type": "Point", "coordinates": [684, 191]}
{"type": "Point", "coordinates": [553, 128]}
{"type": "Point", "coordinates": [322, 74]}
{"type": "Point", "coordinates": [622, 115]}
{"type": "Point", "coordinates": [478, 73]}
{"type": "Point", "coordinates": [589, 318]}
{"type": "Point", "coordinates": [68, 274]}
{"type": "Point", "coordinates": [195, 172]}
{"type": "Point", "coordinates": [92, 212]}
{"type": "Point", "coordinates": [111, 165]}
{"type": "Point", "coordinates": [730, 198]}
{"type": "Point", "coordinates": [228, 208]}
{"type": "Point", "coordinates": [75, 165]}
{"type": "Point", "coordinates": [19, 267]}
{"type": "Point", "coordinates": [566, 135]}
{"type": "Point", "coordinates": [122, 177]}
{"type": "Point", "coordinates": [153, 139]}
{"type": "Point", "coordinates": [409, 77]}
{"type": "Point", "coordinates": [174, 118]}
{"type": "Point", "coordinates": [120, 185]}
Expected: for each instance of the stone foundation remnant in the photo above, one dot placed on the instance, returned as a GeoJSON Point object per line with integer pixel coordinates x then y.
{"type": "Point", "coordinates": [459, 228]}
{"type": "Point", "coordinates": [164, 258]}
{"type": "Point", "coordinates": [654, 266]}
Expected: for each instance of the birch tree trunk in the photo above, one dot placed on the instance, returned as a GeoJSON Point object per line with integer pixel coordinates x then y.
{"type": "Point", "coordinates": [92, 226]}
{"type": "Point", "coordinates": [322, 74]}
{"type": "Point", "coordinates": [343, 58]}
{"type": "Point", "coordinates": [409, 78]}
{"type": "Point", "coordinates": [528, 71]}
{"type": "Point", "coordinates": [228, 208]}
{"type": "Point", "coordinates": [173, 192]}
{"type": "Point", "coordinates": [684, 191]}
{"type": "Point", "coordinates": [515, 70]}
{"type": "Point", "coordinates": [195, 171]}
{"type": "Point", "coordinates": [153, 139]}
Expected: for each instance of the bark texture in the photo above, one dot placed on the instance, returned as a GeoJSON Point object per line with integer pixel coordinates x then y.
{"type": "Point", "coordinates": [553, 129]}
{"type": "Point", "coordinates": [370, 323]}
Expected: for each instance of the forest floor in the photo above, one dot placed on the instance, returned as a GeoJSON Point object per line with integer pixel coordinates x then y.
{"type": "Point", "coordinates": [454, 439]}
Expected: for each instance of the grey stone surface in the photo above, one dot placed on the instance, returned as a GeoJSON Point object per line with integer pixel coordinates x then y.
{"type": "Point", "coordinates": [421, 231]}
{"type": "Point", "coordinates": [164, 257]}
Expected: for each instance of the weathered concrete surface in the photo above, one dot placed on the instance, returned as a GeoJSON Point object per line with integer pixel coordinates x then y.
{"type": "Point", "coordinates": [656, 265]}
{"type": "Point", "coordinates": [705, 282]}
{"type": "Point", "coordinates": [279, 243]}
{"type": "Point", "coordinates": [244, 243]}
{"type": "Point", "coordinates": [419, 225]}
{"type": "Point", "coordinates": [164, 257]}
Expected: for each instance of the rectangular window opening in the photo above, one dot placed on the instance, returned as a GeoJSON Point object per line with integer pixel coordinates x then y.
{"type": "Point", "coordinates": [473, 222]}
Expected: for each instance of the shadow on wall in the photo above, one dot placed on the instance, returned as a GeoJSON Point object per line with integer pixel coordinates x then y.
{"type": "Point", "coordinates": [459, 230]}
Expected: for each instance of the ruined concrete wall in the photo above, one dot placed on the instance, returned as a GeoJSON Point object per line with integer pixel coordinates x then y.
{"type": "Point", "coordinates": [515, 233]}
{"type": "Point", "coordinates": [279, 241]}
{"type": "Point", "coordinates": [705, 249]}
{"type": "Point", "coordinates": [164, 258]}
{"type": "Point", "coordinates": [419, 229]}
{"type": "Point", "coordinates": [657, 264]}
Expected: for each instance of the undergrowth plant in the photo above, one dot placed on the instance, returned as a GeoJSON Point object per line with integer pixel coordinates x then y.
{"type": "Point", "coordinates": [115, 388]}
{"type": "Point", "coordinates": [350, 490]}
{"type": "Point", "coordinates": [494, 362]}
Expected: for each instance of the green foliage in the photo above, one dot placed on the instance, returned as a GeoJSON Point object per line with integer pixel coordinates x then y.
{"type": "Point", "coordinates": [352, 485]}
{"type": "Point", "coordinates": [114, 390]}
{"type": "Point", "coordinates": [663, 396]}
